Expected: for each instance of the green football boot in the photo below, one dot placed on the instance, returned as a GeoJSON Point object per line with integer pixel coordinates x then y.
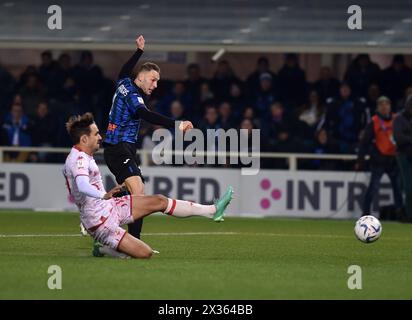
{"type": "Point", "coordinates": [96, 252]}
{"type": "Point", "coordinates": [221, 205]}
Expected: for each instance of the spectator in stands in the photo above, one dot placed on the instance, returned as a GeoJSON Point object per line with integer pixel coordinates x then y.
{"type": "Point", "coordinates": [210, 120]}
{"type": "Point", "coordinates": [248, 125]}
{"type": "Point", "coordinates": [284, 142]}
{"type": "Point", "coordinates": [266, 95]}
{"type": "Point", "coordinates": [47, 66]}
{"type": "Point", "coordinates": [312, 112]}
{"type": "Point", "coordinates": [253, 80]}
{"type": "Point", "coordinates": [206, 98]}
{"type": "Point", "coordinates": [324, 145]}
{"type": "Point", "coordinates": [374, 92]}
{"type": "Point", "coordinates": [222, 80]}
{"type": "Point", "coordinates": [292, 82]}
{"type": "Point", "coordinates": [71, 101]}
{"type": "Point", "coordinates": [44, 128]}
{"type": "Point", "coordinates": [7, 85]}
{"type": "Point", "coordinates": [277, 120]}
{"type": "Point", "coordinates": [17, 99]}
{"type": "Point", "coordinates": [237, 99]}
{"type": "Point", "coordinates": [396, 78]}
{"type": "Point", "coordinates": [47, 72]}
{"type": "Point", "coordinates": [206, 93]}
{"type": "Point", "coordinates": [249, 113]}
{"type": "Point", "coordinates": [31, 69]}
{"type": "Point", "coordinates": [327, 85]}
{"type": "Point", "coordinates": [177, 110]}
{"type": "Point", "coordinates": [194, 82]}
{"type": "Point", "coordinates": [44, 133]}
{"type": "Point", "coordinates": [345, 118]}
{"type": "Point", "coordinates": [17, 125]}
{"type": "Point", "coordinates": [402, 102]}
{"type": "Point", "coordinates": [32, 93]}
{"type": "Point", "coordinates": [88, 76]}
{"type": "Point", "coordinates": [360, 74]}
{"type": "Point", "coordinates": [17, 128]}
{"type": "Point", "coordinates": [178, 93]}
{"type": "Point", "coordinates": [227, 120]}
{"type": "Point", "coordinates": [63, 71]}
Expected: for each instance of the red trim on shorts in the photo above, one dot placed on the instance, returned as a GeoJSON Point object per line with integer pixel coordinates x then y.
{"type": "Point", "coordinates": [173, 207]}
{"type": "Point", "coordinates": [117, 248]}
{"type": "Point", "coordinates": [94, 228]}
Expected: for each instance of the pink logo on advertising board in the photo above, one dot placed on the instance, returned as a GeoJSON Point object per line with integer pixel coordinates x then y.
{"type": "Point", "coordinates": [275, 193]}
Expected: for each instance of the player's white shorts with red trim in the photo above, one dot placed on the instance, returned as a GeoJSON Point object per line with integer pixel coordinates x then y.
{"type": "Point", "coordinates": [109, 232]}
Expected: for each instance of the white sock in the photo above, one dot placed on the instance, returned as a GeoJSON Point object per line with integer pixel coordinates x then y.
{"type": "Point", "coordinates": [180, 208]}
{"type": "Point", "coordinates": [113, 253]}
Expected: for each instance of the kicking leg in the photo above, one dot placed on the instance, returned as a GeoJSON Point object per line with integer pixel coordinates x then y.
{"type": "Point", "coordinates": [146, 205]}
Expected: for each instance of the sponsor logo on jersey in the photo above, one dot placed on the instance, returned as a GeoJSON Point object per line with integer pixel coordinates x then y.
{"type": "Point", "coordinates": [111, 127]}
{"type": "Point", "coordinates": [80, 163]}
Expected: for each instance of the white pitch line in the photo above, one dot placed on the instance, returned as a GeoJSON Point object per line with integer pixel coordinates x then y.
{"type": "Point", "coordinates": [191, 234]}
{"type": "Point", "coordinates": [37, 235]}
{"type": "Point", "coordinates": [280, 235]}
{"type": "Point", "coordinates": [144, 234]}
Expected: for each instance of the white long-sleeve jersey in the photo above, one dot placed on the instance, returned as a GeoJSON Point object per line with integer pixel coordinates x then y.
{"type": "Point", "coordinates": [84, 183]}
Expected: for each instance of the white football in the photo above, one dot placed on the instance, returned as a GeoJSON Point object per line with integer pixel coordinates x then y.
{"type": "Point", "coordinates": [368, 229]}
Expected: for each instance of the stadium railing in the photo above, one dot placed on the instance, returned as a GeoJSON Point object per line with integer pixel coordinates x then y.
{"type": "Point", "coordinates": [146, 154]}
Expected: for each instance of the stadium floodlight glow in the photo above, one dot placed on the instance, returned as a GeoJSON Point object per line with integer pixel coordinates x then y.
{"type": "Point", "coordinates": [218, 54]}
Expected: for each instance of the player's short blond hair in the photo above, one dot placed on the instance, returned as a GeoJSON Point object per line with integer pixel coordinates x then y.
{"type": "Point", "coordinates": [146, 67]}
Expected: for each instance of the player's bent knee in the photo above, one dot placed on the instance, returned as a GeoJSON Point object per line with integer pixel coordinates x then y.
{"type": "Point", "coordinates": [162, 200]}
{"type": "Point", "coordinates": [147, 255]}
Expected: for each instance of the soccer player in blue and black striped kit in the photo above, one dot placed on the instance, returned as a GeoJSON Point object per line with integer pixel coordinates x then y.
{"type": "Point", "coordinates": [128, 109]}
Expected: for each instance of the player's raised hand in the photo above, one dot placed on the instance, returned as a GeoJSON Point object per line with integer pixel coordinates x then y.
{"type": "Point", "coordinates": [110, 194]}
{"type": "Point", "coordinates": [185, 126]}
{"type": "Point", "coordinates": [140, 42]}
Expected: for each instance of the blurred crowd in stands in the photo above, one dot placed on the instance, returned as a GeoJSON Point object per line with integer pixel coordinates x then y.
{"type": "Point", "coordinates": [326, 116]}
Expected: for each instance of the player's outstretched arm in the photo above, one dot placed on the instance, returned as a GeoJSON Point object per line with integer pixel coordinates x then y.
{"type": "Point", "coordinates": [127, 68]}
{"type": "Point", "coordinates": [159, 119]}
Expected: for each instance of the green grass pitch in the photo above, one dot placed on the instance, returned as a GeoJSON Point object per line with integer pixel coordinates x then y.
{"type": "Point", "coordinates": [238, 259]}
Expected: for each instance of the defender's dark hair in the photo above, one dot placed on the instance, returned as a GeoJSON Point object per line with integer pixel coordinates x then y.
{"type": "Point", "coordinates": [78, 126]}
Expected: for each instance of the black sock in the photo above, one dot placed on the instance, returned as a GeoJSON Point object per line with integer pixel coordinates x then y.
{"type": "Point", "coordinates": [135, 228]}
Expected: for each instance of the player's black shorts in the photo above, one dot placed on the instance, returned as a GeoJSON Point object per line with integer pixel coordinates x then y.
{"type": "Point", "coordinates": [122, 160]}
